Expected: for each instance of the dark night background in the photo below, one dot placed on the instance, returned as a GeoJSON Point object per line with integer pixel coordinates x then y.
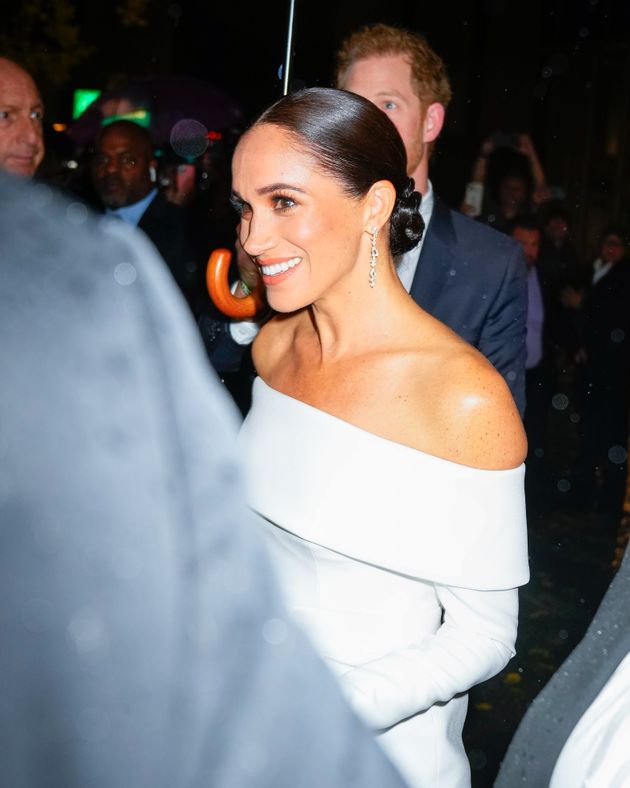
{"type": "Point", "coordinates": [559, 70]}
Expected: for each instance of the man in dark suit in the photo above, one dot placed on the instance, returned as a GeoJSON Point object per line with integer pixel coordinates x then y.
{"type": "Point", "coordinates": [143, 643]}
{"type": "Point", "coordinates": [124, 176]}
{"type": "Point", "coordinates": [470, 278]}
{"type": "Point", "coordinates": [467, 275]}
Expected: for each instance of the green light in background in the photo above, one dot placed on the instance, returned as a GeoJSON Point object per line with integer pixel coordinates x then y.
{"type": "Point", "coordinates": [82, 99]}
{"type": "Point", "coordinates": [140, 116]}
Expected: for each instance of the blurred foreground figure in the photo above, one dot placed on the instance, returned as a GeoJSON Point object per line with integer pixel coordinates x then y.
{"type": "Point", "coordinates": [142, 641]}
{"type": "Point", "coordinates": [21, 113]}
{"type": "Point", "coordinates": [576, 732]}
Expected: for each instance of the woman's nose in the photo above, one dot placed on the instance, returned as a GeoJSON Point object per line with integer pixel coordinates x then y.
{"type": "Point", "coordinates": [256, 236]}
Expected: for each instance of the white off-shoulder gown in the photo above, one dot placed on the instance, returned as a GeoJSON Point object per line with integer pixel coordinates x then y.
{"type": "Point", "coordinates": [401, 566]}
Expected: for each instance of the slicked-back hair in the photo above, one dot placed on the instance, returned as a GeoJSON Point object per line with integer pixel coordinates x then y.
{"type": "Point", "coordinates": [356, 144]}
{"type": "Point", "coordinates": [350, 138]}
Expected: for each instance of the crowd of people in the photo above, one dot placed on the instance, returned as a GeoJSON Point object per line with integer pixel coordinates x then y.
{"type": "Point", "coordinates": [395, 390]}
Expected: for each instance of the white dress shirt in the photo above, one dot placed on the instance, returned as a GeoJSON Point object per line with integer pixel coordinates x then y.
{"type": "Point", "coordinates": [134, 212]}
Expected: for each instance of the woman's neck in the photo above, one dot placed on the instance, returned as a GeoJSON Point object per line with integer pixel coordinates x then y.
{"type": "Point", "coordinates": [355, 318]}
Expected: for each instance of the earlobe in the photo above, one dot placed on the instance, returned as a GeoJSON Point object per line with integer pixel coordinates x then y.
{"type": "Point", "coordinates": [433, 122]}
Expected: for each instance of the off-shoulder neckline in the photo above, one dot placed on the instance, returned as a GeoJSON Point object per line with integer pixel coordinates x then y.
{"type": "Point", "coordinates": [395, 444]}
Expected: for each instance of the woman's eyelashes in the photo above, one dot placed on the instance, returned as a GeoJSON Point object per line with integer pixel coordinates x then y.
{"type": "Point", "coordinates": [238, 204]}
{"type": "Point", "coordinates": [282, 202]}
{"type": "Point", "coordinates": [279, 202]}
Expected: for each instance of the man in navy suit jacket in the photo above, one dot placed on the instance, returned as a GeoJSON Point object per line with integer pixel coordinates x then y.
{"type": "Point", "coordinates": [467, 275]}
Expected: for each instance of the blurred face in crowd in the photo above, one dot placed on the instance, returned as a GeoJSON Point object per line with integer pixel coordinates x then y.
{"type": "Point", "coordinates": [386, 81]}
{"type": "Point", "coordinates": [613, 248]}
{"type": "Point", "coordinates": [121, 165]}
{"type": "Point", "coordinates": [530, 241]}
{"type": "Point", "coordinates": [513, 193]}
{"type": "Point", "coordinates": [557, 230]}
{"type": "Point", "coordinates": [21, 113]}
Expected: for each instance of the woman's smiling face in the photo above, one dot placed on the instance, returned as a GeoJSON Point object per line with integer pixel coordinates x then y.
{"type": "Point", "coordinates": [303, 230]}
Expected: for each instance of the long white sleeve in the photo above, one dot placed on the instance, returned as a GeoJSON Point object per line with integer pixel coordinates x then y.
{"type": "Point", "coordinates": [473, 644]}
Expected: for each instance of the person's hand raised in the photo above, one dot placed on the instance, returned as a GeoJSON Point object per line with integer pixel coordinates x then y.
{"type": "Point", "coordinates": [526, 146]}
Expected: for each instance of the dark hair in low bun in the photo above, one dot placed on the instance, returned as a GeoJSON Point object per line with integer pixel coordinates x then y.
{"type": "Point", "coordinates": [406, 226]}
{"type": "Point", "coordinates": [357, 144]}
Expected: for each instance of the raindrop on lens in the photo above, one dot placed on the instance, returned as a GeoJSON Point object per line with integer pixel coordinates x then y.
{"type": "Point", "coordinates": [77, 213]}
{"type": "Point", "coordinates": [564, 485]}
{"type": "Point", "coordinates": [125, 274]}
{"type": "Point", "coordinates": [189, 138]}
{"type": "Point", "coordinates": [560, 401]}
{"type": "Point", "coordinates": [617, 335]}
{"type": "Point", "coordinates": [617, 454]}
{"type": "Point", "coordinates": [274, 631]}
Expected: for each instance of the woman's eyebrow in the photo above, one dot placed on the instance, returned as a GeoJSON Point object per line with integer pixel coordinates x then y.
{"type": "Point", "coordinates": [274, 187]}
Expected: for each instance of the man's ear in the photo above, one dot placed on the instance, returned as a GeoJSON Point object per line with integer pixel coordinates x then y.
{"type": "Point", "coordinates": [379, 204]}
{"type": "Point", "coordinates": [433, 122]}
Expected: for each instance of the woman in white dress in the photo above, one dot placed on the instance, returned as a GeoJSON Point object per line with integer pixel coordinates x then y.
{"type": "Point", "coordinates": [384, 453]}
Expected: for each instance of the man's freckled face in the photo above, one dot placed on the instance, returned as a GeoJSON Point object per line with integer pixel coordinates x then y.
{"type": "Point", "coordinates": [385, 80]}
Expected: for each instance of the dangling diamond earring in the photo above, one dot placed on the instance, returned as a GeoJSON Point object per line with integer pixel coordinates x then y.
{"type": "Point", "coordinates": [373, 257]}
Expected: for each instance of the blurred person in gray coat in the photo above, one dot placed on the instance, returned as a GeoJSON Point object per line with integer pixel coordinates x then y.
{"type": "Point", "coordinates": [576, 731]}
{"type": "Point", "coordinates": [142, 642]}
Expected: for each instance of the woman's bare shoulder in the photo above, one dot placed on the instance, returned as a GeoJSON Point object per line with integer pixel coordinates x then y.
{"type": "Point", "coordinates": [473, 415]}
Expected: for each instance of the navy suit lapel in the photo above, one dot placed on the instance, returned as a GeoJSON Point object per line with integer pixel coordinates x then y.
{"type": "Point", "coordinates": [436, 258]}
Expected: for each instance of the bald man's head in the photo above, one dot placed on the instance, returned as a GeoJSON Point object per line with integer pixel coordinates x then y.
{"type": "Point", "coordinates": [21, 113]}
{"type": "Point", "coordinates": [121, 164]}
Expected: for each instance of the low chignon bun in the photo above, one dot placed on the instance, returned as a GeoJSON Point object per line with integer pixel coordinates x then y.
{"type": "Point", "coordinates": [406, 225]}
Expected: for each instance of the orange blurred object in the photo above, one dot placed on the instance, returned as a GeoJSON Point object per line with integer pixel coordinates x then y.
{"type": "Point", "coordinates": [219, 289]}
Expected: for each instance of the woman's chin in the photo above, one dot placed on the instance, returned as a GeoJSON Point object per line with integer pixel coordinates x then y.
{"type": "Point", "coordinates": [286, 303]}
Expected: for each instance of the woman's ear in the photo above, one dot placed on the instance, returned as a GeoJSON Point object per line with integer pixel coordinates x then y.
{"type": "Point", "coordinates": [379, 204]}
